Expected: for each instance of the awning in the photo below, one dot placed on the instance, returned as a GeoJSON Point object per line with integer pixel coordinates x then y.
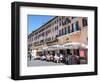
{"type": "Point", "coordinates": [74, 45]}
{"type": "Point", "coordinates": [55, 47]}
{"type": "Point", "coordinates": [43, 48]}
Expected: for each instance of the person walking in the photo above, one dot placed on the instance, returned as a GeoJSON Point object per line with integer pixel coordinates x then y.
{"type": "Point", "coordinates": [74, 59]}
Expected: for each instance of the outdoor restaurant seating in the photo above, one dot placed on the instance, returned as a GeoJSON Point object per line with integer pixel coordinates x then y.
{"type": "Point", "coordinates": [57, 57]}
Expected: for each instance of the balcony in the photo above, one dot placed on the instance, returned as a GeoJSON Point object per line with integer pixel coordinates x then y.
{"type": "Point", "coordinates": [46, 41]}
{"type": "Point", "coordinates": [51, 40]}
{"type": "Point", "coordinates": [38, 43]}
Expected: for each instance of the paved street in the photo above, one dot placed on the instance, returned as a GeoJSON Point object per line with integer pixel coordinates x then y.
{"type": "Point", "coordinates": [41, 63]}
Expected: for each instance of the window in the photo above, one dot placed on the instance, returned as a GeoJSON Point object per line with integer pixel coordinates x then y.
{"type": "Point", "coordinates": [75, 27]}
{"type": "Point", "coordinates": [64, 22]}
{"type": "Point", "coordinates": [41, 41]}
{"type": "Point", "coordinates": [67, 20]}
{"type": "Point", "coordinates": [65, 31]}
{"type": "Point", "coordinates": [46, 32]}
{"type": "Point", "coordinates": [60, 32]}
{"type": "Point", "coordinates": [84, 21]}
{"type": "Point", "coordinates": [43, 34]}
{"type": "Point", "coordinates": [55, 22]}
{"type": "Point", "coordinates": [56, 28]}
{"type": "Point", "coordinates": [68, 29]}
{"type": "Point", "coordinates": [32, 39]}
{"type": "Point", "coordinates": [60, 19]}
{"type": "Point", "coordinates": [59, 23]}
{"type": "Point", "coordinates": [49, 30]}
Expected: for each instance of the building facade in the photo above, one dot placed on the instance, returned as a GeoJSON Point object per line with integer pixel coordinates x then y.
{"type": "Point", "coordinates": [59, 31]}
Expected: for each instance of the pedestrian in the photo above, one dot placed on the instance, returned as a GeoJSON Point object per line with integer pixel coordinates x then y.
{"type": "Point", "coordinates": [74, 59]}
{"type": "Point", "coordinates": [61, 57]}
{"type": "Point", "coordinates": [66, 59]}
{"type": "Point", "coordinates": [69, 60]}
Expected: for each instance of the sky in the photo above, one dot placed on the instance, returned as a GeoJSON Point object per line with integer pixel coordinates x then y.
{"type": "Point", "coordinates": [35, 21]}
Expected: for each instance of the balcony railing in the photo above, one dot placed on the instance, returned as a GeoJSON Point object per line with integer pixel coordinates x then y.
{"type": "Point", "coordinates": [52, 40]}
{"type": "Point", "coordinates": [37, 43]}
{"type": "Point", "coordinates": [48, 40]}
